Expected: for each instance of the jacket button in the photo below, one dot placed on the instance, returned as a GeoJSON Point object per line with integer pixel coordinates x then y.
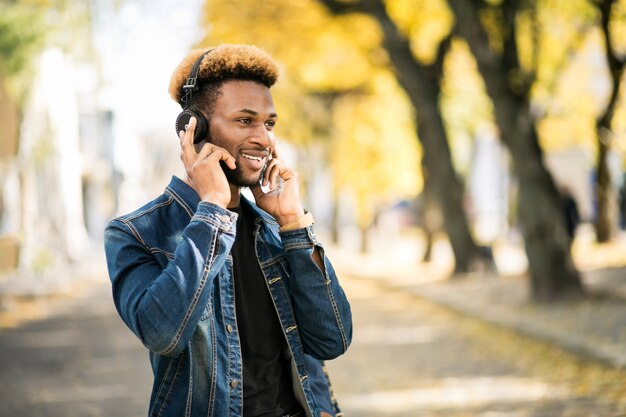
{"type": "Point", "coordinates": [225, 218]}
{"type": "Point", "coordinates": [234, 383]}
{"type": "Point", "coordinates": [229, 328]}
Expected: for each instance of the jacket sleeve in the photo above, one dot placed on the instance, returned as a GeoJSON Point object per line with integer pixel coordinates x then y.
{"type": "Point", "coordinates": [320, 305]}
{"type": "Point", "coordinates": [163, 306]}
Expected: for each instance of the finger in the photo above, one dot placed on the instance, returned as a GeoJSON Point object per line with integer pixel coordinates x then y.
{"type": "Point", "coordinates": [222, 154]}
{"type": "Point", "coordinates": [206, 150]}
{"type": "Point", "coordinates": [275, 154]}
{"type": "Point", "coordinates": [209, 148]}
{"type": "Point", "coordinates": [266, 173]}
{"type": "Point", "coordinates": [188, 153]}
{"type": "Point", "coordinates": [270, 173]}
{"type": "Point", "coordinates": [274, 175]}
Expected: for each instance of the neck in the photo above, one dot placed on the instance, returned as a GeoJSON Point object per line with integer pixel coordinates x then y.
{"type": "Point", "coordinates": [235, 196]}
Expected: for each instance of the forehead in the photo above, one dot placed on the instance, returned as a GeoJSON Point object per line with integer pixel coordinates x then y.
{"type": "Point", "coordinates": [236, 95]}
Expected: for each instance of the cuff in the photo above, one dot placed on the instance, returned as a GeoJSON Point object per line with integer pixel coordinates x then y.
{"type": "Point", "coordinates": [222, 218]}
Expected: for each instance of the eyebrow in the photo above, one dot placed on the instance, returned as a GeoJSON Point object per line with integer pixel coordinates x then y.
{"type": "Point", "coordinates": [254, 113]}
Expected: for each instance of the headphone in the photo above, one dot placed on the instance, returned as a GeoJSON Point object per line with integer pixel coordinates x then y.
{"type": "Point", "coordinates": [182, 121]}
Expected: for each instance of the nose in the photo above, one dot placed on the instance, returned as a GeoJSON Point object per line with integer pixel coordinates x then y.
{"type": "Point", "coordinates": [263, 137]}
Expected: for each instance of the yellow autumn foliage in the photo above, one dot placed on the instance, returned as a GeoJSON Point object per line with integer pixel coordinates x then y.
{"type": "Point", "coordinates": [464, 103]}
{"type": "Point", "coordinates": [425, 23]}
{"type": "Point", "coordinates": [374, 153]}
{"type": "Point", "coordinates": [572, 84]}
{"type": "Point", "coordinates": [335, 88]}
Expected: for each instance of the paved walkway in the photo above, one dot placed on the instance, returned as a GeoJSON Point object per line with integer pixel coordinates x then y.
{"type": "Point", "coordinates": [412, 358]}
{"type": "Point", "coordinates": [77, 361]}
{"type": "Point", "coordinates": [594, 327]}
{"type": "Point", "coordinates": [408, 358]}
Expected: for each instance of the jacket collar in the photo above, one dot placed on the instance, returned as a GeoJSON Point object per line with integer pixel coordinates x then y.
{"type": "Point", "coordinates": [258, 213]}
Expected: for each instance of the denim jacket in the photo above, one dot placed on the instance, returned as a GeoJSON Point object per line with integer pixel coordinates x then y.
{"type": "Point", "coordinates": [171, 273]}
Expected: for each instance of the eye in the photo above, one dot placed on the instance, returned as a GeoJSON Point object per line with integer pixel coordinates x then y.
{"type": "Point", "coordinates": [245, 121]}
{"type": "Point", "coordinates": [270, 124]}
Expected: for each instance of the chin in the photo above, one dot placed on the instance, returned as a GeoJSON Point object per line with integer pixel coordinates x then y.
{"type": "Point", "coordinates": [238, 178]}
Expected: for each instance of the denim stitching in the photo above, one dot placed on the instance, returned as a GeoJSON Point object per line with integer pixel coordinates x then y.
{"type": "Point", "coordinates": [228, 359]}
{"type": "Point", "coordinates": [211, 220]}
{"type": "Point", "coordinates": [212, 390]}
{"type": "Point", "coordinates": [194, 300]}
{"type": "Point", "coordinates": [180, 361]}
{"type": "Point", "coordinates": [298, 245]}
{"type": "Point", "coordinates": [129, 219]}
{"type": "Point", "coordinates": [228, 345]}
{"type": "Point", "coordinates": [158, 394]}
{"type": "Point", "coordinates": [149, 210]}
{"type": "Point", "coordinates": [270, 262]}
{"type": "Point", "coordinates": [135, 232]}
{"type": "Point", "coordinates": [180, 201]}
{"type": "Point", "coordinates": [280, 282]}
{"type": "Point", "coordinates": [208, 219]}
{"type": "Point", "coordinates": [190, 387]}
{"type": "Point", "coordinates": [302, 245]}
{"type": "Point", "coordinates": [342, 331]}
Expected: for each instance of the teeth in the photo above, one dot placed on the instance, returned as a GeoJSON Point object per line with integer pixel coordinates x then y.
{"type": "Point", "coordinates": [254, 158]}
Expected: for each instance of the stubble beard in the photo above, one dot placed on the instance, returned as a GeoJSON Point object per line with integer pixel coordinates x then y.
{"type": "Point", "coordinates": [237, 178]}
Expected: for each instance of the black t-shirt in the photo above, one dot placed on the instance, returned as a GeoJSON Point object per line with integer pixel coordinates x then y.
{"type": "Point", "coordinates": [267, 386]}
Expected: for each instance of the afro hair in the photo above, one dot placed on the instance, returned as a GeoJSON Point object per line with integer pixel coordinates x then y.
{"type": "Point", "coordinates": [225, 62]}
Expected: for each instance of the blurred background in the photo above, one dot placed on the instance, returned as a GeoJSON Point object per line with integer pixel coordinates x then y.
{"type": "Point", "coordinates": [398, 130]}
{"type": "Point", "coordinates": [437, 140]}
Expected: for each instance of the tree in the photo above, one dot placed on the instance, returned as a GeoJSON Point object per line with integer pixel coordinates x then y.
{"type": "Point", "coordinates": [421, 82]}
{"type": "Point", "coordinates": [553, 274]}
{"type": "Point", "coordinates": [21, 38]}
{"type": "Point", "coordinates": [616, 62]}
{"type": "Point", "coordinates": [330, 98]}
{"type": "Point", "coordinates": [574, 93]}
{"type": "Point", "coordinates": [340, 55]}
{"type": "Point", "coordinates": [33, 31]}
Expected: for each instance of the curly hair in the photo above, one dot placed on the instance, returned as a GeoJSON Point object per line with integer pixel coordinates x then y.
{"type": "Point", "coordinates": [222, 63]}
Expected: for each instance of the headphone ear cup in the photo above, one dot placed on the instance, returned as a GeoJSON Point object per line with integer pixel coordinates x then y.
{"type": "Point", "coordinates": [182, 121]}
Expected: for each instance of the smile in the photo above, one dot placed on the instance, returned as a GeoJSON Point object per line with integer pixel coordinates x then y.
{"type": "Point", "coordinates": [253, 158]}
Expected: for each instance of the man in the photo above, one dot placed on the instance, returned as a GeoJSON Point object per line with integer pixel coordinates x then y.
{"type": "Point", "coordinates": [236, 302]}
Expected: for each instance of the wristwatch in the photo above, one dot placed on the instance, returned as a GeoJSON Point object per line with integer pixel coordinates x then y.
{"type": "Point", "coordinates": [304, 221]}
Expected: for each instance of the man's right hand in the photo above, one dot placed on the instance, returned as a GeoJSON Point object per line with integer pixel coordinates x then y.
{"type": "Point", "coordinates": [204, 172]}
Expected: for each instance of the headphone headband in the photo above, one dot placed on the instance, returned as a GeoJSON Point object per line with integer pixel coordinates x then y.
{"type": "Point", "coordinates": [192, 82]}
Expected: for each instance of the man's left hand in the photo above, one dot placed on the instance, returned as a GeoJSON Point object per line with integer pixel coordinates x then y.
{"type": "Point", "coordinates": [282, 201]}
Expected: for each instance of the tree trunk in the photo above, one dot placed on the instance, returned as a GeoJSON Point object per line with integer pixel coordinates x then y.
{"type": "Point", "coordinates": [553, 274]}
{"type": "Point", "coordinates": [606, 219]}
{"type": "Point", "coordinates": [422, 85]}
{"type": "Point", "coordinates": [428, 216]}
